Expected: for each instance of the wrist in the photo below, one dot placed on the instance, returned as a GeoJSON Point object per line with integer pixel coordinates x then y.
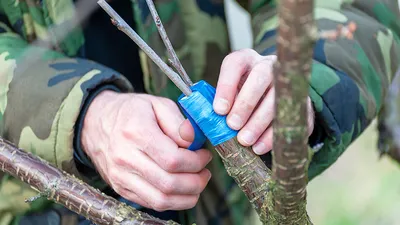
{"type": "Point", "coordinates": [80, 146]}
{"type": "Point", "coordinates": [95, 111]}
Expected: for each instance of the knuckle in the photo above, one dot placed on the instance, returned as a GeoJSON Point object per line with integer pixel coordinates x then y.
{"type": "Point", "coordinates": [244, 105]}
{"type": "Point", "coordinates": [259, 124]}
{"type": "Point", "coordinates": [148, 146]}
{"type": "Point", "coordinates": [272, 58]}
{"type": "Point", "coordinates": [161, 203]}
{"type": "Point", "coordinates": [256, 130]}
{"type": "Point", "coordinates": [247, 51]}
{"type": "Point", "coordinates": [121, 191]}
{"type": "Point", "coordinates": [235, 57]}
{"type": "Point", "coordinates": [117, 188]}
{"type": "Point", "coordinates": [167, 185]}
{"type": "Point", "coordinates": [172, 164]}
{"type": "Point", "coordinates": [120, 159]}
{"type": "Point", "coordinates": [193, 201]}
{"type": "Point", "coordinates": [263, 66]}
{"type": "Point", "coordinates": [202, 184]}
{"type": "Point", "coordinates": [144, 137]}
{"type": "Point", "coordinates": [113, 175]}
{"type": "Point", "coordinates": [168, 102]}
{"type": "Point", "coordinates": [263, 71]}
{"type": "Point", "coordinates": [129, 129]}
{"type": "Point", "coordinates": [264, 117]}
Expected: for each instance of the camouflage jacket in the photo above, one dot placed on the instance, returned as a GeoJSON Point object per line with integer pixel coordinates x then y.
{"type": "Point", "coordinates": [42, 98]}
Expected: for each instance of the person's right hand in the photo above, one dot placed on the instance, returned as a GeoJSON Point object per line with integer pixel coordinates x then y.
{"type": "Point", "coordinates": [133, 141]}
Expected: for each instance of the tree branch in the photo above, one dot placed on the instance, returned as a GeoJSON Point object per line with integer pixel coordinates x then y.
{"type": "Point", "coordinates": [124, 27]}
{"type": "Point", "coordinates": [67, 190]}
{"type": "Point", "coordinates": [174, 60]}
{"type": "Point", "coordinates": [296, 35]}
{"type": "Point", "coordinates": [249, 172]}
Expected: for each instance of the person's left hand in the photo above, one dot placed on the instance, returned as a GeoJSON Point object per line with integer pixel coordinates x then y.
{"type": "Point", "coordinates": [245, 93]}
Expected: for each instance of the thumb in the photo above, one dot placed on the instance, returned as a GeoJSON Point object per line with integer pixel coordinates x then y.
{"type": "Point", "coordinates": [186, 131]}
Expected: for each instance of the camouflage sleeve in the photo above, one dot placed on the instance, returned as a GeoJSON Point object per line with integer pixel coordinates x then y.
{"type": "Point", "coordinates": [42, 95]}
{"type": "Point", "coordinates": [350, 78]}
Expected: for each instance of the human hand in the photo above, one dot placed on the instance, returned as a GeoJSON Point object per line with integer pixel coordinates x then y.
{"type": "Point", "coordinates": [133, 141]}
{"type": "Point", "coordinates": [245, 93]}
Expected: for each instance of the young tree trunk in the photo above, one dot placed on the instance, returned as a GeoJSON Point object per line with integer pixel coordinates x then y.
{"type": "Point", "coordinates": [296, 35]}
{"type": "Point", "coordinates": [69, 191]}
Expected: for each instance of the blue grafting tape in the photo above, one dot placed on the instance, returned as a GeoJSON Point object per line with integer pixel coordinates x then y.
{"type": "Point", "coordinates": [199, 137]}
{"type": "Point", "coordinates": [198, 107]}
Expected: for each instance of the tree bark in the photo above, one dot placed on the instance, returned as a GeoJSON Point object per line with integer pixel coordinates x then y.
{"type": "Point", "coordinates": [69, 191]}
{"type": "Point", "coordinates": [296, 35]}
{"type": "Point", "coordinates": [249, 172]}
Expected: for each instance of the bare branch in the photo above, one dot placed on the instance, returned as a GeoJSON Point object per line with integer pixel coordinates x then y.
{"type": "Point", "coordinates": [171, 52]}
{"type": "Point", "coordinates": [124, 27]}
{"type": "Point", "coordinates": [67, 190]}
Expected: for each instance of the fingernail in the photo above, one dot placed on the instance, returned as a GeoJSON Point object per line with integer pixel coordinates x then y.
{"type": "Point", "coordinates": [247, 137]}
{"type": "Point", "coordinates": [259, 148]}
{"type": "Point", "coordinates": [221, 106]}
{"type": "Point", "coordinates": [235, 122]}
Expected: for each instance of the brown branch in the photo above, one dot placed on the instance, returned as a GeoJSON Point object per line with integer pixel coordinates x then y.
{"type": "Point", "coordinates": [67, 190]}
{"type": "Point", "coordinates": [174, 60]}
{"type": "Point", "coordinates": [249, 172]}
{"type": "Point", "coordinates": [296, 35]}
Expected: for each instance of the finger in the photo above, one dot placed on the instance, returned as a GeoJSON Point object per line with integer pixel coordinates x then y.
{"type": "Point", "coordinates": [170, 183]}
{"type": "Point", "coordinates": [264, 143]}
{"type": "Point", "coordinates": [234, 66]}
{"type": "Point", "coordinates": [156, 199]}
{"type": "Point", "coordinates": [259, 121]}
{"type": "Point", "coordinates": [160, 148]}
{"type": "Point", "coordinates": [253, 89]}
{"type": "Point", "coordinates": [180, 160]}
{"type": "Point", "coordinates": [169, 119]}
{"type": "Point", "coordinates": [311, 116]}
{"type": "Point", "coordinates": [186, 131]}
{"type": "Point", "coordinates": [127, 194]}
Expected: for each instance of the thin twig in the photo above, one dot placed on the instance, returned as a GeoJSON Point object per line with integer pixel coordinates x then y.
{"type": "Point", "coordinates": [171, 52]}
{"type": "Point", "coordinates": [124, 27]}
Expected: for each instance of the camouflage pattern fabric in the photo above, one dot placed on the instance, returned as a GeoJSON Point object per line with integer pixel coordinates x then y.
{"type": "Point", "coordinates": [39, 106]}
{"type": "Point", "coordinates": [347, 74]}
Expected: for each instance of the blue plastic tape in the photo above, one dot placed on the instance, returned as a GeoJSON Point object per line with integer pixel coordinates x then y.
{"type": "Point", "coordinates": [198, 108]}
